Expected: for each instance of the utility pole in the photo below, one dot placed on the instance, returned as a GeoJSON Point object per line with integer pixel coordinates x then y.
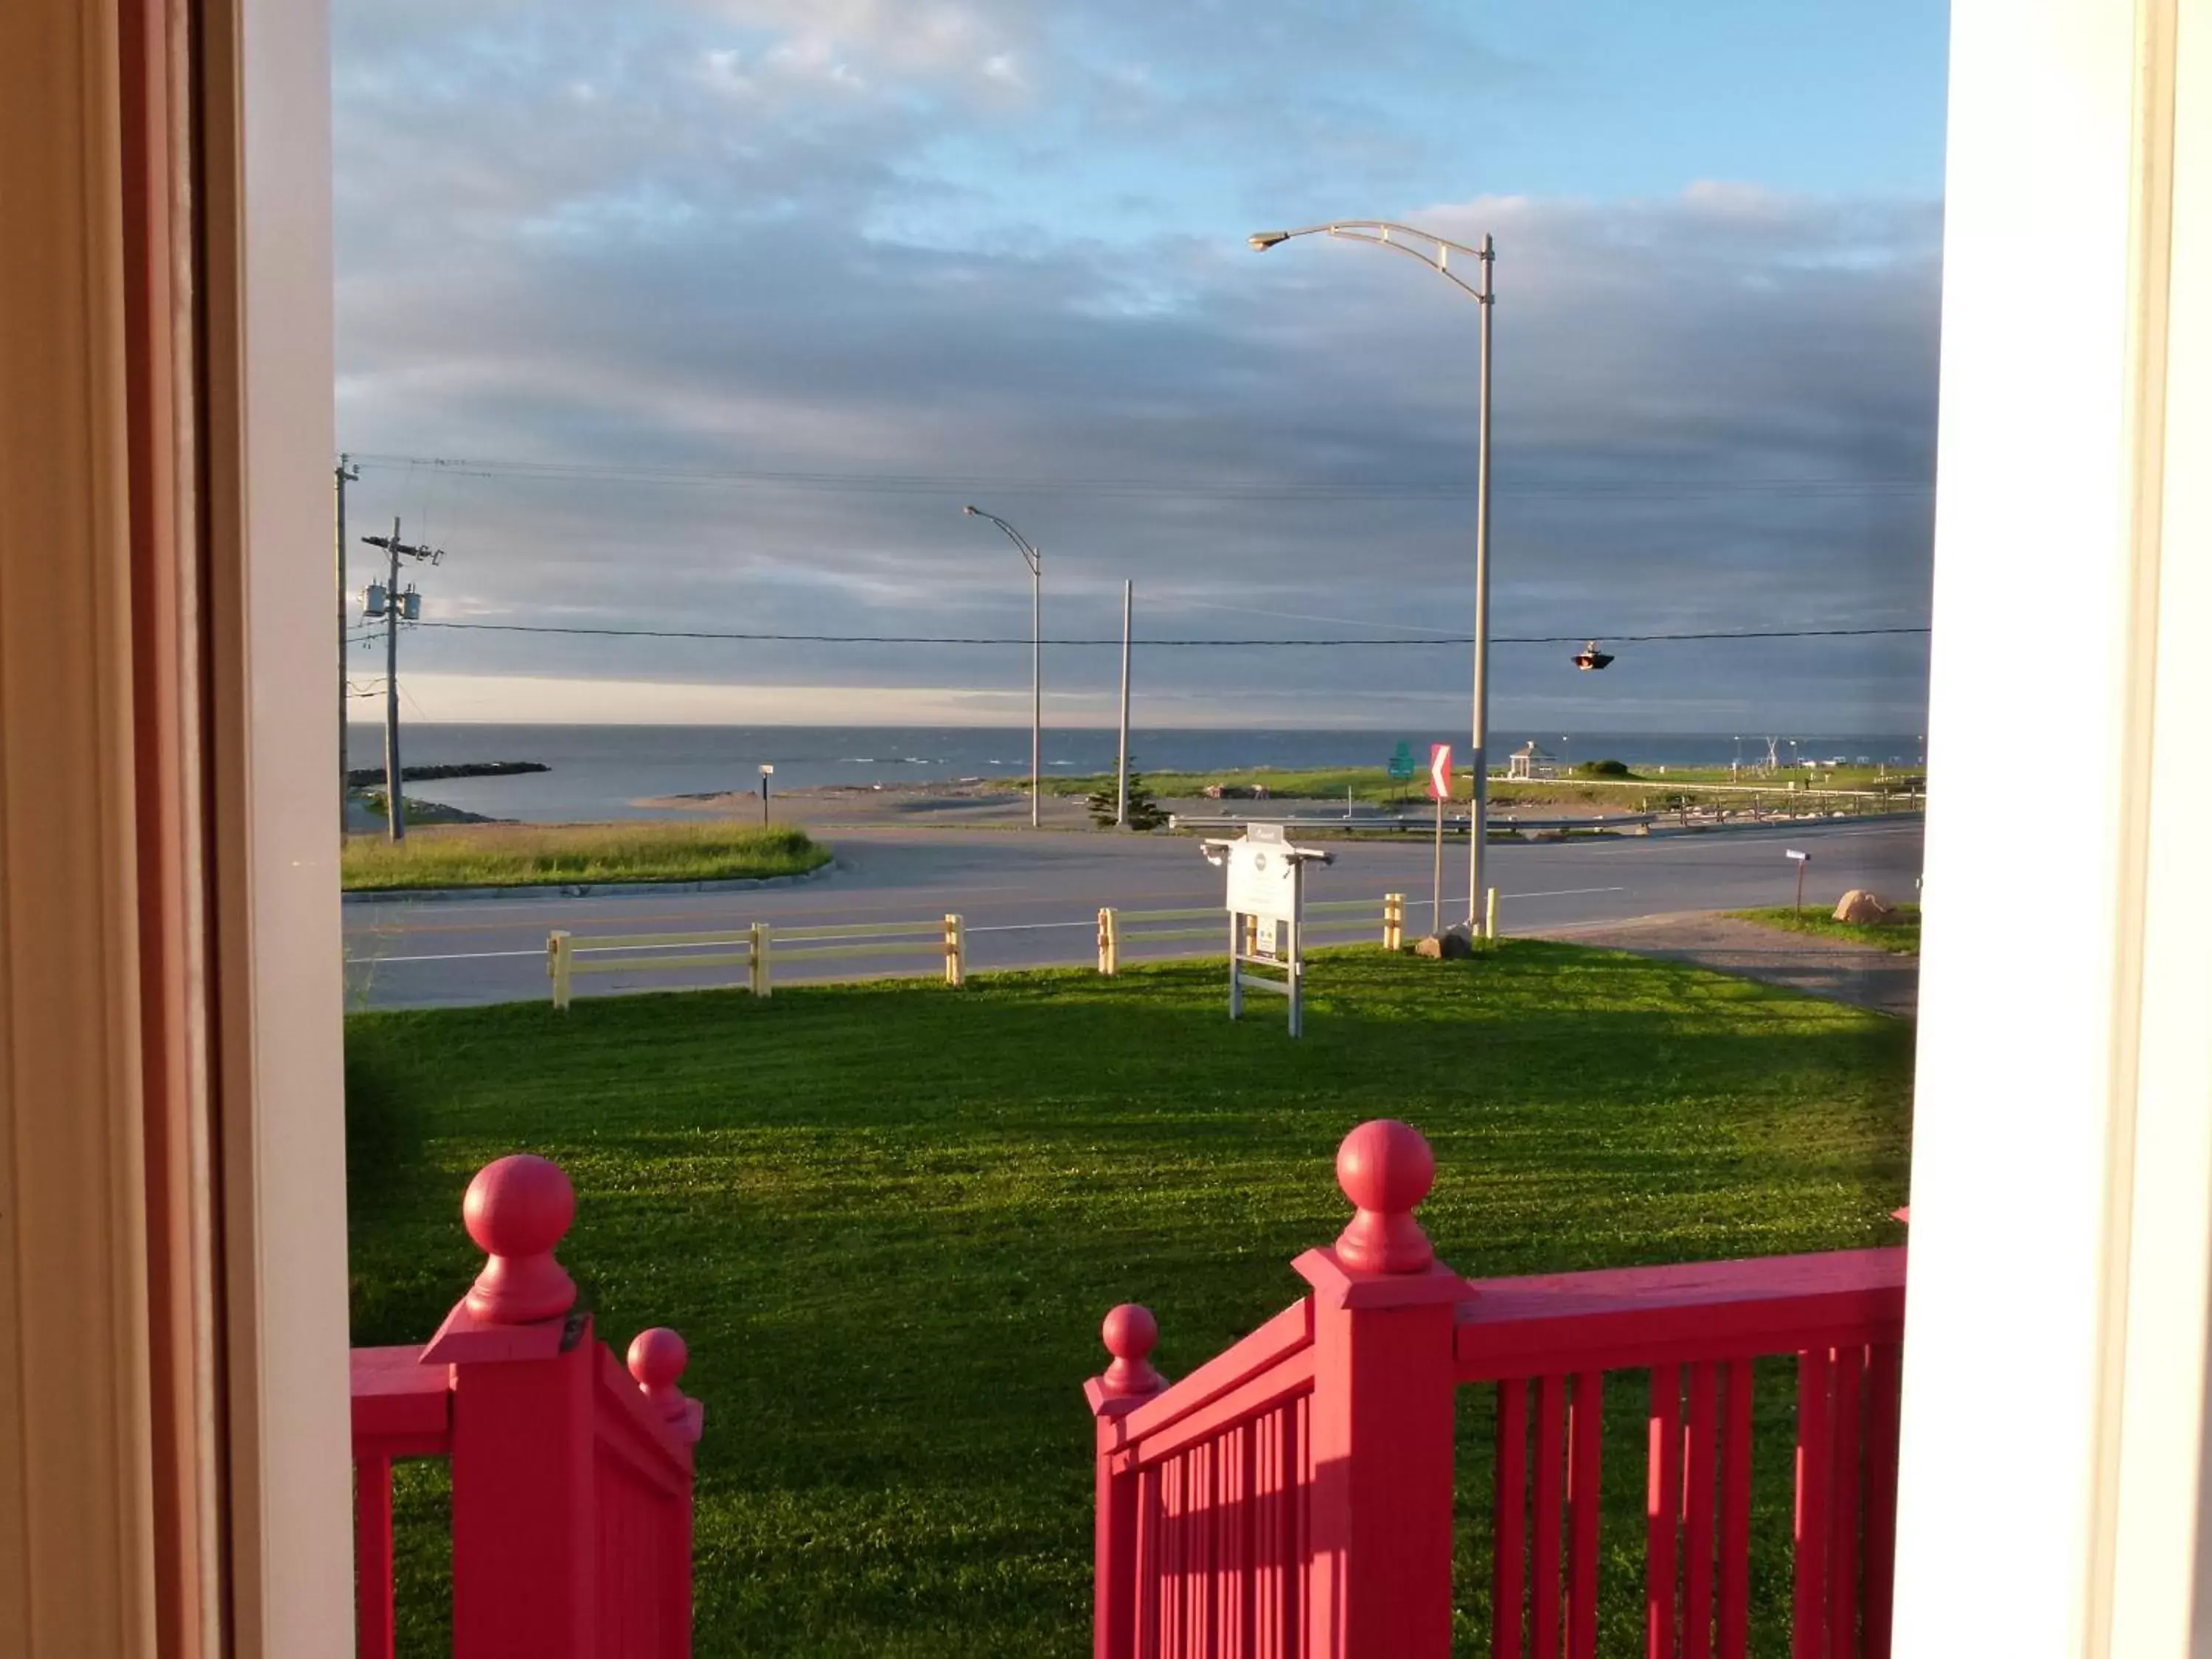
{"type": "Point", "coordinates": [1121, 796]}
{"type": "Point", "coordinates": [1478, 826]}
{"type": "Point", "coordinates": [347, 473]}
{"type": "Point", "coordinates": [396, 608]}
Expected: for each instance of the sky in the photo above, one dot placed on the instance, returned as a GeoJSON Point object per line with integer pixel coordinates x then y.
{"type": "Point", "coordinates": [708, 316]}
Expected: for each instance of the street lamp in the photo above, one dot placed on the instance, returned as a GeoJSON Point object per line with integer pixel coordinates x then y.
{"type": "Point", "coordinates": [1436, 252]}
{"type": "Point", "coordinates": [1035, 563]}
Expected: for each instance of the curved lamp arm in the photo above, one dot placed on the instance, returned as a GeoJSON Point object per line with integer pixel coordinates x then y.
{"type": "Point", "coordinates": [1030, 555]}
{"type": "Point", "coordinates": [1433, 251]}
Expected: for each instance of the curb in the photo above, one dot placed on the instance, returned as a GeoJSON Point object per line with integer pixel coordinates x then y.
{"type": "Point", "coordinates": [585, 890]}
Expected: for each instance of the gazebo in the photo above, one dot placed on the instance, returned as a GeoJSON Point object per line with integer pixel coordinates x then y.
{"type": "Point", "coordinates": [1529, 762]}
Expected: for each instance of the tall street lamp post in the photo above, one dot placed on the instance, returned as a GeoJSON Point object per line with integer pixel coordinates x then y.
{"type": "Point", "coordinates": [1436, 252]}
{"type": "Point", "coordinates": [1035, 563]}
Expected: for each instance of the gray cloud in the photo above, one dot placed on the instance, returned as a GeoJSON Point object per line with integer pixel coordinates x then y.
{"type": "Point", "coordinates": [741, 237]}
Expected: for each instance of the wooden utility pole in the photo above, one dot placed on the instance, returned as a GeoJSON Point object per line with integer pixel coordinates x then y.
{"type": "Point", "coordinates": [397, 608]}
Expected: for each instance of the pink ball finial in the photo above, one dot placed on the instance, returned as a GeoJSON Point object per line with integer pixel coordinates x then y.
{"type": "Point", "coordinates": [1385, 1168]}
{"type": "Point", "coordinates": [1130, 1334]}
{"type": "Point", "coordinates": [657, 1358]}
{"type": "Point", "coordinates": [518, 1208]}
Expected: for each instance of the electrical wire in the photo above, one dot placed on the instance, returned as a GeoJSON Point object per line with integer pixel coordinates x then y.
{"type": "Point", "coordinates": [1011, 639]}
{"type": "Point", "coordinates": [1299, 490]}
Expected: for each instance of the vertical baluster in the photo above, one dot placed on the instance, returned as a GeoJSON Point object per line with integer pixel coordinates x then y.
{"type": "Point", "coordinates": [1245, 1524]}
{"type": "Point", "coordinates": [1270, 1507]}
{"type": "Point", "coordinates": [1151, 1570]}
{"type": "Point", "coordinates": [372, 1557]}
{"type": "Point", "coordinates": [1662, 1508]}
{"type": "Point", "coordinates": [1808, 1604]}
{"type": "Point", "coordinates": [1509, 1520]}
{"type": "Point", "coordinates": [1301, 1527]}
{"type": "Point", "coordinates": [1543, 1589]}
{"type": "Point", "coordinates": [1202, 1512]}
{"type": "Point", "coordinates": [1699, 1450]}
{"type": "Point", "coordinates": [1585, 1430]}
{"type": "Point", "coordinates": [1883, 1363]}
{"type": "Point", "coordinates": [1843, 1509]}
{"type": "Point", "coordinates": [1735, 1516]}
{"type": "Point", "coordinates": [1171, 1645]}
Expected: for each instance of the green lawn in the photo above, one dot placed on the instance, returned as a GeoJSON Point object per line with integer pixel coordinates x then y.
{"type": "Point", "coordinates": [527, 854]}
{"type": "Point", "coordinates": [1902, 936]}
{"type": "Point", "coordinates": [887, 1217]}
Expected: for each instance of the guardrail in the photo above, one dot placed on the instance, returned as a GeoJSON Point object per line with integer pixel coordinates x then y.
{"type": "Point", "coordinates": [572, 1476]}
{"type": "Point", "coordinates": [1294, 1496]}
{"type": "Point", "coordinates": [758, 946]}
{"type": "Point", "coordinates": [1119, 927]}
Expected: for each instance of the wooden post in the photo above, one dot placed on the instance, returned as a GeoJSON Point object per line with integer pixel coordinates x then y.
{"type": "Point", "coordinates": [1109, 943]}
{"type": "Point", "coordinates": [1436, 902]}
{"type": "Point", "coordinates": [1490, 915]}
{"type": "Point", "coordinates": [764, 970]}
{"type": "Point", "coordinates": [1384, 1378]}
{"type": "Point", "coordinates": [1130, 1334]}
{"type": "Point", "coordinates": [955, 964]}
{"type": "Point", "coordinates": [523, 1449]}
{"type": "Point", "coordinates": [560, 957]}
{"type": "Point", "coordinates": [1394, 920]}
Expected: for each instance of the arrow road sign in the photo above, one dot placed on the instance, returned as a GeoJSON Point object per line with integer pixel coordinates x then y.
{"type": "Point", "coordinates": [1440, 771]}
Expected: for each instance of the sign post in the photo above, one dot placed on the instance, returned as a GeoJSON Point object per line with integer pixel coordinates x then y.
{"type": "Point", "coordinates": [1267, 897]}
{"type": "Point", "coordinates": [1440, 791]}
{"type": "Point", "coordinates": [766, 772]}
{"type": "Point", "coordinates": [1800, 859]}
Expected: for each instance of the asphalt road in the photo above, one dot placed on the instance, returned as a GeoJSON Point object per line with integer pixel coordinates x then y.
{"type": "Point", "coordinates": [1031, 901]}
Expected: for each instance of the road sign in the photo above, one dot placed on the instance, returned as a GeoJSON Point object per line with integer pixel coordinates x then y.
{"type": "Point", "coordinates": [1403, 764]}
{"type": "Point", "coordinates": [1439, 771]}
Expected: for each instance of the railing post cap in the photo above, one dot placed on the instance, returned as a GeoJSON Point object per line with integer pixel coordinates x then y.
{"type": "Point", "coordinates": [517, 1209]}
{"type": "Point", "coordinates": [1130, 1334]}
{"type": "Point", "coordinates": [1386, 1169]}
{"type": "Point", "coordinates": [657, 1358]}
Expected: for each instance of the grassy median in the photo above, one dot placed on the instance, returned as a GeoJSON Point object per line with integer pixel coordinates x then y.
{"type": "Point", "coordinates": [887, 1217]}
{"type": "Point", "coordinates": [528, 854]}
{"type": "Point", "coordinates": [1901, 935]}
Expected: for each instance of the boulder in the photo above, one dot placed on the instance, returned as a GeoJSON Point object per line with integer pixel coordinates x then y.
{"type": "Point", "coordinates": [1444, 947]}
{"type": "Point", "coordinates": [1860, 906]}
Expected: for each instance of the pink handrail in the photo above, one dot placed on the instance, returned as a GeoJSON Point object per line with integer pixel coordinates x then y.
{"type": "Point", "coordinates": [1292, 1499]}
{"type": "Point", "coordinates": [572, 1476]}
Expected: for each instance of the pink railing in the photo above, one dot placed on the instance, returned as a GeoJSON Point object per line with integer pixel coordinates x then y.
{"type": "Point", "coordinates": [1292, 1497]}
{"type": "Point", "coordinates": [571, 1475]}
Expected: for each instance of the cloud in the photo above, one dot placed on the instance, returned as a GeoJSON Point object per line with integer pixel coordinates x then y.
{"type": "Point", "coordinates": [790, 283]}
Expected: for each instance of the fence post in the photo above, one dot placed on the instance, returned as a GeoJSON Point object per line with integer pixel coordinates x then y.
{"type": "Point", "coordinates": [956, 958]}
{"type": "Point", "coordinates": [763, 969]}
{"type": "Point", "coordinates": [1394, 920]}
{"type": "Point", "coordinates": [1490, 915]}
{"type": "Point", "coordinates": [1384, 1378]}
{"type": "Point", "coordinates": [524, 1452]}
{"type": "Point", "coordinates": [1130, 1334]}
{"type": "Point", "coordinates": [1109, 944]}
{"type": "Point", "coordinates": [559, 955]}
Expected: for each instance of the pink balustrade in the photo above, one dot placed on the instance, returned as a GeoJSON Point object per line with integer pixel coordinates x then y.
{"type": "Point", "coordinates": [1291, 1499]}
{"type": "Point", "coordinates": [571, 1473]}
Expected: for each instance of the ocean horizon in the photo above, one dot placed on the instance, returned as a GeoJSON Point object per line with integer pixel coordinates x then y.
{"type": "Point", "coordinates": [605, 771]}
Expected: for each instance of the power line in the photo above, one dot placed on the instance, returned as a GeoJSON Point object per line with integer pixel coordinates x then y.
{"type": "Point", "coordinates": [942, 638]}
{"type": "Point", "coordinates": [1300, 489]}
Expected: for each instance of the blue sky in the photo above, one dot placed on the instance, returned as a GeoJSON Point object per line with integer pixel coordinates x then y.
{"type": "Point", "coordinates": [772, 286]}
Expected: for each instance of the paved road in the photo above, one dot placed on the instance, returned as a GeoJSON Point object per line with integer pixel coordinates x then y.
{"type": "Point", "coordinates": [1031, 900]}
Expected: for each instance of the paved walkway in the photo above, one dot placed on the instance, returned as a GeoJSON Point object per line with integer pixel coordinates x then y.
{"type": "Point", "coordinates": [1863, 975]}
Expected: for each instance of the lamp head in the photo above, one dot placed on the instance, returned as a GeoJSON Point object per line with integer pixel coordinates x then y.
{"type": "Point", "coordinates": [1268, 238]}
{"type": "Point", "coordinates": [971, 512]}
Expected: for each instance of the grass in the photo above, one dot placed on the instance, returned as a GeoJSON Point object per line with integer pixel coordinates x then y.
{"type": "Point", "coordinates": [526, 855]}
{"type": "Point", "coordinates": [1902, 936]}
{"type": "Point", "coordinates": [887, 1217]}
{"type": "Point", "coordinates": [1707, 786]}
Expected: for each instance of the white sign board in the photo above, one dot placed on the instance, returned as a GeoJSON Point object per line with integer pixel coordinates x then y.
{"type": "Point", "coordinates": [1263, 880]}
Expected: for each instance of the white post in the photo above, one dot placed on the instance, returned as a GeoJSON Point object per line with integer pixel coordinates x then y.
{"type": "Point", "coordinates": [559, 957]}
{"type": "Point", "coordinates": [956, 960]}
{"type": "Point", "coordinates": [1478, 828]}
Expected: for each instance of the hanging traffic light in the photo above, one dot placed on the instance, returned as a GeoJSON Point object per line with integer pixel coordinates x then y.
{"type": "Point", "coordinates": [1590, 657]}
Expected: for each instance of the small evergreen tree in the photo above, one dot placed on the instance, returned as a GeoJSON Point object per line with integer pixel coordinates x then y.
{"type": "Point", "coordinates": [1145, 813]}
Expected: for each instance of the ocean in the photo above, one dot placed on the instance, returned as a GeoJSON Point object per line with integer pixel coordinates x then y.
{"type": "Point", "coordinates": [600, 772]}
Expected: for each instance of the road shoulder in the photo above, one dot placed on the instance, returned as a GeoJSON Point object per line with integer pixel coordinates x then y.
{"type": "Point", "coordinates": [1863, 976]}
